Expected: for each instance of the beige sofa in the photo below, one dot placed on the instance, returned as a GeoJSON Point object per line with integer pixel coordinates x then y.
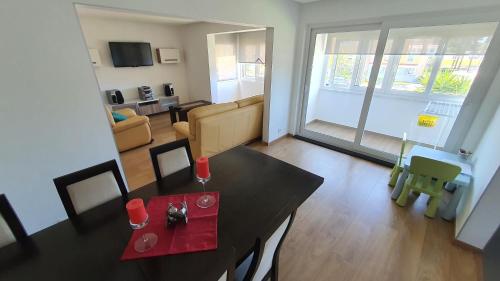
{"type": "Point", "coordinates": [218, 127]}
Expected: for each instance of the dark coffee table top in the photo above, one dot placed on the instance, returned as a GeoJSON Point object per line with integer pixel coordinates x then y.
{"type": "Point", "coordinates": [190, 105]}
{"type": "Point", "coordinates": [257, 193]}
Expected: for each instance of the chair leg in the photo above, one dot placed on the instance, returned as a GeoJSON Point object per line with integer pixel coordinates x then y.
{"type": "Point", "coordinates": [433, 206]}
{"type": "Point", "coordinates": [403, 197]}
{"type": "Point", "coordinates": [394, 175]}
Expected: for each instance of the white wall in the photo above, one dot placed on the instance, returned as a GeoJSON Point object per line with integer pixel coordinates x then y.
{"type": "Point", "coordinates": [485, 217]}
{"type": "Point", "coordinates": [51, 115]}
{"type": "Point", "coordinates": [251, 87]}
{"type": "Point", "coordinates": [227, 91]}
{"type": "Point", "coordinates": [99, 31]}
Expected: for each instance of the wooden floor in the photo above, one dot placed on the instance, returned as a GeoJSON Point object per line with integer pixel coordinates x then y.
{"type": "Point", "coordinates": [373, 140]}
{"type": "Point", "coordinates": [136, 162]}
{"type": "Point", "coordinates": [349, 229]}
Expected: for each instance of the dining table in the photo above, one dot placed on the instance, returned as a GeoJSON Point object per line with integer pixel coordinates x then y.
{"type": "Point", "coordinates": [458, 186]}
{"type": "Point", "coordinates": [257, 193]}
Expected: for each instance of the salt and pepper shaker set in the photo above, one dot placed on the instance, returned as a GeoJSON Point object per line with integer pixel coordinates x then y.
{"type": "Point", "coordinates": [175, 214]}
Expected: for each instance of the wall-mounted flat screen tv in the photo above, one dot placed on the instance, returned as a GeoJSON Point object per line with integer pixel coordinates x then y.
{"type": "Point", "coordinates": [130, 54]}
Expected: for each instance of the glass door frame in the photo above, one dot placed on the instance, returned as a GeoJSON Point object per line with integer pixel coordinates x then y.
{"type": "Point", "coordinates": [480, 86]}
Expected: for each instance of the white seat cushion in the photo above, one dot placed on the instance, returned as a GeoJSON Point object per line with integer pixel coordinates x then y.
{"type": "Point", "coordinates": [6, 235]}
{"type": "Point", "coordinates": [223, 277]}
{"type": "Point", "coordinates": [270, 247]}
{"type": "Point", "coordinates": [93, 191]}
{"type": "Point", "coordinates": [173, 161]}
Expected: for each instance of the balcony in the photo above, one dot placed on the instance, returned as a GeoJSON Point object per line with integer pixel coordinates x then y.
{"type": "Point", "coordinates": [336, 113]}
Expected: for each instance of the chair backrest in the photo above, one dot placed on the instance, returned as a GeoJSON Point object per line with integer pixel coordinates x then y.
{"type": "Point", "coordinates": [11, 229]}
{"type": "Point", "coordinates": [427, 170]}
{"type": "Point", "coordinates": [266, 254]}
{"type": "Point", "coordinates": [90, 187]}
{"type": "Point", "coordinates": [171, 157]}
{"type": "Point", "coordinates": [402, 152]}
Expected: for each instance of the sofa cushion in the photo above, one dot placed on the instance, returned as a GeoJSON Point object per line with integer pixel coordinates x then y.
{"type": "Point", "coordinates": [250, 101]}
{"type": "Point", "coordinates": [118, 116]}
{"type": "Point", "coordinates": [208, 110]}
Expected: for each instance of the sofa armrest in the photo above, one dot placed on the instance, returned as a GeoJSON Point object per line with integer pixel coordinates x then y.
{"type": "Point", "coordinates": [127, 112]}
{"type": "Point", "coordinates": [182, 128]}
{"type": "Point", "coordinates": [130, 123]}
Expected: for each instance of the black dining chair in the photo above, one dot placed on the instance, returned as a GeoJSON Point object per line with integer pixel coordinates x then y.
{"type": "Point", "coordinates": [262, 263]}
{"type": "Point", "coordinates": [85, 189]}
{"type": "Point", "coordinates": [11, 229]}
{"type": "Point", "coordinates": [171, 157]}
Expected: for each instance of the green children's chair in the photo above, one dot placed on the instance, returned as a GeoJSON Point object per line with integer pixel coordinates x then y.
{"type": "Point", "coordinates": [398, 167]}
{"type": "Point", "coordinates": [428, 176]}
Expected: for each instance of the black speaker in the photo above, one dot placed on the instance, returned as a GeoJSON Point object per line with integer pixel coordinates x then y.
{"type": "Point", "coordinates": [119, 97]}
{"type": "Point", "coordinates": [114, 96]}
{"type": "Point", "coordinates": [169, 89]}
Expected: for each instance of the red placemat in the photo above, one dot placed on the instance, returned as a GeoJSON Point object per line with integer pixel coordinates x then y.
{"type": "Point", "coordinates": [200, 234]}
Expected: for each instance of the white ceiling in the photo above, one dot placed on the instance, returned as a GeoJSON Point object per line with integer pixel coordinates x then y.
{"type": "Point", "coordinates": [89, 11]}
{"type": "Point", "coordinates": [306, 1]}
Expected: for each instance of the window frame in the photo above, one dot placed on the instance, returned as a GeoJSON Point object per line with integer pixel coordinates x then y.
{"type": "Point", "coordinates": [390, 74]}
{"type": "Point", "coordinates": [243, 76]}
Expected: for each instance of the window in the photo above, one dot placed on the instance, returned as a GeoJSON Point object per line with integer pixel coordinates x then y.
{"type": "Point", "coordinates": [349, 59]}
{"type": "Point", "coordinates": [434, 60]}
{"type": "Point", "coordinates": [252, 70]}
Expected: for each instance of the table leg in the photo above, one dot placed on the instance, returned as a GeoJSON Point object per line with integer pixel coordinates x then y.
{"type": "Point", "coordinates": [173, 115]}
{"type": "Point", "coordinates": [399, 185]}
{"type": "Point", "coordinates": [450, 212]}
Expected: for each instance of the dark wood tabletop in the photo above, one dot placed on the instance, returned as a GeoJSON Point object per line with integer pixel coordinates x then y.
{"type": "Point", "coordinates": [257, 193]}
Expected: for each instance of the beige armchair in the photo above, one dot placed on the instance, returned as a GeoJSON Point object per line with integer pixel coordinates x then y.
{"type": "Point", "coordinates": [130, 133]}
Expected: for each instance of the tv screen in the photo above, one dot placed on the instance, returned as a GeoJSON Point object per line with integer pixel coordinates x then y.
{"type": "Point", "coordinates": [130, 54]}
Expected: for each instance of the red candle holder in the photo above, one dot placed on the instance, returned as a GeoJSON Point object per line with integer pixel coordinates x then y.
{"type": "Point", "coordinates": [203, 176]}
{"type": "Point", "coordinates": [138, 219]}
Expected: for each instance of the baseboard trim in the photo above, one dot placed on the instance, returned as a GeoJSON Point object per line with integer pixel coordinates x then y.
{"type": "Point", "coordinates": [345, 151]}
{"type": "Point", "coordinates": [466, 246]}
{"type": "Point", "coordinates": [280, 138]}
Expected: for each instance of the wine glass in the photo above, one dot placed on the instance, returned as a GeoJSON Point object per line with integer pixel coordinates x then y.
{"type": "Point", "coordinates": [139, 218]}
{"type": "Point", "coordinates": [206, 200]}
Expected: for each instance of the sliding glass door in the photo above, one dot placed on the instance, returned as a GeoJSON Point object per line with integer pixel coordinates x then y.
{"type": "Point", "coordinates": [421, 78]}
{"type": "Point", "coordinates": [341, 66]}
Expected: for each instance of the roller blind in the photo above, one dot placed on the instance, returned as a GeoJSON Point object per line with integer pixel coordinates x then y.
{"type": "Point", "coordinates": [252, 47]}
{"type": "Point", "coordinates": [350, 42]}
{"type": "Point", "coordinates": [225, 56]}
{"type": "Point", "coordinates": [463, 39]}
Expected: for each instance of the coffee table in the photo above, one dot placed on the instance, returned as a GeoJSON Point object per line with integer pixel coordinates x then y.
{"type": "Point", "coordinates": [179, 113]}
